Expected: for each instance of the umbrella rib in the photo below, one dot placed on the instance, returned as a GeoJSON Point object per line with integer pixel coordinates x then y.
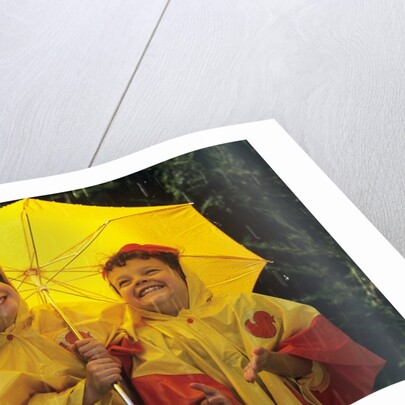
{"type": "Point", "coordinates": [59, 259]}
{"type": "Point", "coordinates": [77, 293]}
{"type": "Point", "coordinates": [78, 246]}
{"type": "Point", "coordinates": [170, 207]}
{"type": "Point", "coordinates": [77, 290]}
{"type": "Point", "coordinates": [35, 292]}
{"type": "Point", "coordinates": [81, 269]}
{"type": "Point", "coordinates": [227, 257]}
{"type": "Point", "coordinates": [229, 280]}
{"type": "Point", "coordinates": [98, 232]}
{"type": "Point", "coordinates": [70, 290]}
{"type": "Point", "coordinates": [94, 236]}
{"type": "Point", "coordinates": [72, 269]}
{"type": "Point", "coordinates": [73, 292]}
{"type": "Point", "coordinates": [24, 282]}
{"type": "Point", "coordinates": [32, 240]}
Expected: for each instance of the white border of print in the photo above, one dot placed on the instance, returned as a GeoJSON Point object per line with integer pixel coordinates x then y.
{"type": "Point", "coordinates": [348, 226]}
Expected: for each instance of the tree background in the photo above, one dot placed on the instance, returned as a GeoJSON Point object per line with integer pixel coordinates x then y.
{"type": "Point", "coordinates": [233, 187]}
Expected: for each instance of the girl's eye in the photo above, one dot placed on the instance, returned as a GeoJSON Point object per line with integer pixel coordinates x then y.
{"type": "Point", "coordinates": [123, 283]}
{"type": "Point", "coordinates": [152, 271]}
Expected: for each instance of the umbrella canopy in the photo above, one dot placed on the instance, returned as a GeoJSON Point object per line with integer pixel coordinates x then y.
{"type": "Point", "coordinates": [57, 246]}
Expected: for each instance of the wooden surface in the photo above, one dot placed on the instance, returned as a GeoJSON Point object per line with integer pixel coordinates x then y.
{"type": "Point", "coordinates": [83, 83]}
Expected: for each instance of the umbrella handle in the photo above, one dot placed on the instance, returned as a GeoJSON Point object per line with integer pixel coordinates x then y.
{"type": "Point", "coordinates": [117, 388]}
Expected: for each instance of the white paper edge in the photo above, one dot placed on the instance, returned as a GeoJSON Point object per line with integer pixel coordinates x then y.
{"type": "Point", "coordinates": [355, 234]}
{"type": "Point", "coordinates": [391, 395]}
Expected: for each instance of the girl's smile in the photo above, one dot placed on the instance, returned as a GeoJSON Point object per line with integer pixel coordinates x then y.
{"type": "Point", "coordinates": [150, 285]}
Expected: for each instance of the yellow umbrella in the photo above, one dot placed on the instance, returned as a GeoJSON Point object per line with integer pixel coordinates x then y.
{"type": "Point", "coordinates": [52, 251]}
{"type": "Point", "coordinates": [59, 247]}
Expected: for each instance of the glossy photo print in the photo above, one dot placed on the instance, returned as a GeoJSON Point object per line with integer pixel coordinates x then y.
{"type": "Point", "coordinates": [201, 279]}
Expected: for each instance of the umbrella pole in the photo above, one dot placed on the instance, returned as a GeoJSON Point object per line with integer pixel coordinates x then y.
{"type": "Point", "coordinates": [44, 290]}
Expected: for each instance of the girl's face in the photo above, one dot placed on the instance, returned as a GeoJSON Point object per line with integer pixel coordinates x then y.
{"type": "Point", "coordinates": [9, 303]}
{"type": "Point", "coordinates": [150, 285]}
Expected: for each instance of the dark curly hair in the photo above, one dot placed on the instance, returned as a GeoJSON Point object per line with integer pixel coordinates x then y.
{"type": "Point", "coordinates": [120, 260]}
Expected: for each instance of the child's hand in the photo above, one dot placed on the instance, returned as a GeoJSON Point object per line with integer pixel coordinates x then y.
{"type": "Point", "coordinates": [212, 396]}
{"type": "Point", "coordinates": [90, 349]}
{"type": "Point", "coordinates": [102, 373]}
{"type": "Point", "coordinates": [260, 359]}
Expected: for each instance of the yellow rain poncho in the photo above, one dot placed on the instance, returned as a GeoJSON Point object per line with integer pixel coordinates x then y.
{"type": "Point", "coordinates": [210, 343]}
{"type": "Point", "coordinates": [36, 368]}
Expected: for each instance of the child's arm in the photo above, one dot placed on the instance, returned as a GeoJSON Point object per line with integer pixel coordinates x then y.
{"type": "Point", "coordinates": [286, 365]}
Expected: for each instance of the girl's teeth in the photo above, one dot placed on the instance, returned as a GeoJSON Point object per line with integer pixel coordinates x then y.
{"type": "Point", "coordinates": [149, 289]}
